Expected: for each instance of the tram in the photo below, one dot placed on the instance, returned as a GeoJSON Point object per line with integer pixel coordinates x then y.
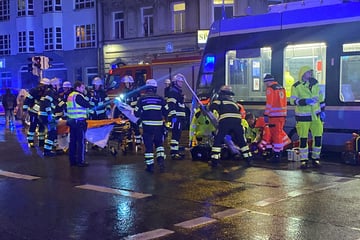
{"type": "Point", "coordinates": [322, 34]}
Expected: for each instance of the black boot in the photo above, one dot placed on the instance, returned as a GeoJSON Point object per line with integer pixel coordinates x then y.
{"type": "Point", "coordinates": [150, 168]}
{"type": "Point", "coordinates": [304, 164]}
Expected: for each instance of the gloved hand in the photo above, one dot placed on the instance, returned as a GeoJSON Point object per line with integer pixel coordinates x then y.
{"type": "Point", "coordinates": [322, 116]}
{"type": "Point", "coordinates": [50, 118]}
{"type": "Point", "coordinates": [173, 120]}
{"type": "Point", "coordinates": [310, 101]}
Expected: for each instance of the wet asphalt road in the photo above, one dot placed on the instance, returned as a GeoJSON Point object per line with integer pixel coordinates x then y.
{"type": "Point", "coordinates": [114, 198]}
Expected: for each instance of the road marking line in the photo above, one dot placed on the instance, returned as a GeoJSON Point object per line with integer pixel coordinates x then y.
{"type": "Point", "coordinates": [17, 175]}
{"type": "Point", "coordinates": [114, 191]}
{"type": "Point", "coordinates": [150, 234]}
{"type": "Point", "coordinates": [297, 193]}
{"type": "Point", "coordinates": [229, 213]}
{"type": "Point", "coordinates": [266, 202]}
{"type": "Point", "coordinates": [196, 222]}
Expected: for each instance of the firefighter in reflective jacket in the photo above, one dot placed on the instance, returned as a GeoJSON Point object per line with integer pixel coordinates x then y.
{"type": "Point", "coordinates": [230, 123]}
{"type": "Point", "coordinates": [152, 110]}
{"type": "Point", "coordinates": [100, 100]}
{"type": "Point", "coordinates": [48, 103]}
{"type": "Point", "coordinates": [309, 102]}
{"type": "Point", "coordinates": [176, 114]}
{"type": "Point", "coordinates": [275, 115]}
{"type": "Point", "coordinates": [31, 104]}
{"type": "Point", "coordinates": [77, 106]}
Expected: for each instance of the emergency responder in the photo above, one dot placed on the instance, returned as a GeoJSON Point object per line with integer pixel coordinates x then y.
{"type": "Point", "coordinates": [167, 87]}
{"type": "Point", "coordinates": [48, 103]}
{"type": "Point", "coordinates": [275, 114]}
{"type": "Point", "coordinates": [176, 114]}
{"type": "Point", "coordinates": [309, 101]}
{"type": "Point", "coordinates": [152, 110]}
{"type": "Point", "coordinates": [130, 96]}
{"type": "Point", "coordinates": [31, 105]}
{"type": "Point", "coordinates": [100, 100]}
{"type": "Point", "coordinates": [77, 112]}
{"type": "Point", "coordinates": [201, 129]}
{"type": "Point", "coordinates": [63, 94]}
{"type": "Point", "coordinates": [230, 123]}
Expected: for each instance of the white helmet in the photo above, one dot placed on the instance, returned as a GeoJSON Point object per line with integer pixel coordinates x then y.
{"type": "Point", "coordinates": [127, 79]}
{"type": "Point", "coordinates": [55, 81]}
{"type": "Point", "coordinates": [97, 81]}
{"type": "Point", "coordinates": [179, 78]}
{"type": "Point", "coordinates": [45, 81]}
{"type": "Point", "coordinates": [151, 83]}
{"type": "Point", "coordinates": [67, 84]}
{"type": "Point", "coordinates": [167, 81]}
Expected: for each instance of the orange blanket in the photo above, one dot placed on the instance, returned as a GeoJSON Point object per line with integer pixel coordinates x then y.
{"type": "Point", "coordinates": [62, 128]}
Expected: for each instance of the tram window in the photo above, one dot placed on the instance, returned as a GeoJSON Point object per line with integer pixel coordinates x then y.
{"type": "Point", "coordinates": [350, 78]}
{"type": "Point", "coordinates": [296, 56]}
{"type": "Point", "coordinates": [244, 69]}
{"type": "Point", "coordinates": [206, 80]}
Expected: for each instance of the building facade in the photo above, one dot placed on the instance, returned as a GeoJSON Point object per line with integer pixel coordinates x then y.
{"type": "Point", "coordinates": [85, 38]}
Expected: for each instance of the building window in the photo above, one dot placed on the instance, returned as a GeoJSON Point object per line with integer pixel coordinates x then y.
{"type": "Point", "coordinates": [5, 45]}
{"type": "Point", "coordinates": [85, 36]}
{"type": "Point", "coordinates": [178, 12]}
{"type": "Point", "coordinates": [5, 79]}
{"type": "Point", "coordinates": [148, 21]}
{"type": "Point", "coordinates": [119, 28]}
{"type": "Point", "coordinates": [223, 8]}
{"type": "Point", "coordinates": [52, 38]}
{"type": "Point", "coordinates": [52, 6]}
{"type": "Point", "coordinates": [26, 42]}
{"type": "Point", "coordinates": [80, 4]}
{"type": "Point", "coordinates": [25, 8]}
{"type": "Point", "coordinates": [4, 10]}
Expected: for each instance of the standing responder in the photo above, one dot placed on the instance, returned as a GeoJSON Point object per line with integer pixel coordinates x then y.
{"type": "Point", "coordinates": [48, 103]}
{"type": "Point", "coordinates": [131, 96]}
{"type": "Point", "coordinates": [77, 112]}
{"type": "Point", "coordinates": [31, 105]}
{"type": "Point", "coordinates": [275, 115]}
{"type": "Point", "coordinates": [176, 114]}
{"type": "Point", "coordinates": [230, 123]}
{"type": "Point", "coordinates": [100, 100]}
{"type": "Point", "coordinates": [309, 101]}
{"type": "Point", "coordinates": [167, 86]}
{"type": "Point", "coordinates": [9, 104]}
{"type": "Point", "coordinates": [152, 110]}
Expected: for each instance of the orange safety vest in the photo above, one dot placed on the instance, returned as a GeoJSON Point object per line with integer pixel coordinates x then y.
{"type": "Point", "coordinates": [276, 103]}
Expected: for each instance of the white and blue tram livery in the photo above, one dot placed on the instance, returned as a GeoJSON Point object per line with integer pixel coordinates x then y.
{"type": "Point", "coordinates": [324, 36]}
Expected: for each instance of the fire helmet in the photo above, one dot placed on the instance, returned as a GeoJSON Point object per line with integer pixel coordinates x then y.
{"type": "Point", "coordinates": [67, 84]}
{"type": "Point", "coordinates": [151, 83]}
{"type": "Point", "coordinates": [226, 90]}
{"type": "Point", "coordinates": [97, 81]}
{"type": "Point", "coordinates": [127, 79]}
{"type": "Point", "coordinates": [179, 78]}
{"type": "Point", "coordinates": [55, 81]}
{"type": "Point", "coordinates": [45, 81]}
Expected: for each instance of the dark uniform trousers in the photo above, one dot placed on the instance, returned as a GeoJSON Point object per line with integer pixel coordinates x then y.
{"type": "Point", "coordinates": [153, 135]}
{"type": "Point", "coordinates": [77, 140]}
{"type": "Point", "coordinates": [34, 123]}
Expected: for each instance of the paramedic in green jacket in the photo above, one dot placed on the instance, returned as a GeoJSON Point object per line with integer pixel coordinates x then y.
{"type": "Point", "coordinates": [309, 101]}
